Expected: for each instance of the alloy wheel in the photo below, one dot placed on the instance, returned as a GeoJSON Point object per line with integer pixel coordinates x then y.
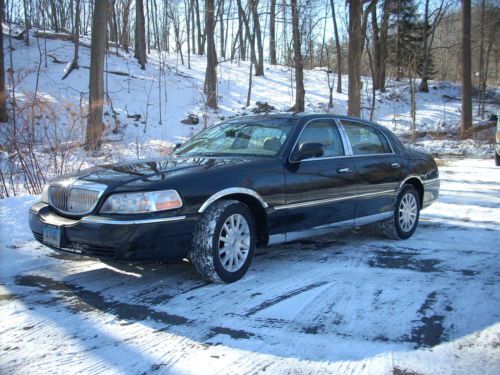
{"type": "Point", "coordinates": [408, 210]}
{"type": "Point", "coordinates": [234, 242]}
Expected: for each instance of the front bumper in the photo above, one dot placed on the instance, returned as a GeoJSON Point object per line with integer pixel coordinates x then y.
{"type": "Point", "coordinates": [130, 239]}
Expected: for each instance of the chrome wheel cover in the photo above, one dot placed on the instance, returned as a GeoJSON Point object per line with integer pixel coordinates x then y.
{"type": "Point", "coordinates": [234, 242]}
{"type": "Point", "coordinates": [408, 210]}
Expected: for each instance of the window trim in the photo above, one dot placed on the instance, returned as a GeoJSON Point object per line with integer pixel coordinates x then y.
{"type": "Point", "coordinates": [346, 146]}
{"type": "Point", "coordinates": [339, 123]}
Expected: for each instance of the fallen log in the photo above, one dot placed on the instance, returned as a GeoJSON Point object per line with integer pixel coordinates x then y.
{"type": "Point", "coordinates": [54, 36]}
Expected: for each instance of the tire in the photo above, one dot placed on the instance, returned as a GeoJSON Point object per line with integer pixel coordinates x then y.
{"type": "Point", "coordinates": [218, 260]}
{"type": "Point", "coordinates": [396, 228]}
{"type": "Point", "coordinates": [497, 159]}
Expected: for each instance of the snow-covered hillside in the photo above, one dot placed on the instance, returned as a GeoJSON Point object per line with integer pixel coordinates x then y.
{"type": "Point", "coordinates": [149, 104]}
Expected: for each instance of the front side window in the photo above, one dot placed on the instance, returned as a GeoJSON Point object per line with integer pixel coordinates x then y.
{"type": "Point", "coordinates": [326, 133]}
{"type": "Point", "coordinates": [248, 137]}
{"type": "Point", "coordinates": [365, 140]}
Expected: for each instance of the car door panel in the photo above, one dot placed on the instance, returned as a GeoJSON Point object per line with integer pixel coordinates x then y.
{"type": "Point", "coordinates": [320, 191]}
{"type": "Point", "coordinates": [378, 169]}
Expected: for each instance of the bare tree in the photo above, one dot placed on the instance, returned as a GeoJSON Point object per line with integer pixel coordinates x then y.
{"type": "Point", "coordinates": [428, 39]}
{"type": "Point", "coordinates": [337, 47]}
{"type": "Point", "coordinates": [76, 40]}
{"type": "Point", "coordinates": [354, 67]}
{"type": "Point", "coordinates": [379, 36]}
{"type": "Point", "coordinates": [201, 34]}
{"type": "Point", "coordinates": [26, 23]}
{"type": "Point", "coordinates": [249, 34]}
{"type": "Point", "coordinates": [125, 39]}
{"type": "Point", "coordinates": [358, 21]}
{"type": "Point", "coordinates": [259, 66]}
{"type": "Point", "coordinates": [3, 106]}
{"type": "Point", "coordinates": [211, 72]}
{"type": "Point", "coordinates": [466, 122]}
{"type": "Point", "coordinates": [96, 95]}
{"type": "Point", "coordinates": [272, 33]}
{"type": "Point", "coordinates": [140, 34]}
{"type": "Point", "coordinates": [298, 61]}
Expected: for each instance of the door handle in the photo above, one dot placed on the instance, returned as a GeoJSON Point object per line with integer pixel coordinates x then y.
{"type": "Point", "coordinates": [344, 170]}
{"type": "Point", "coordinates": [395, 165]}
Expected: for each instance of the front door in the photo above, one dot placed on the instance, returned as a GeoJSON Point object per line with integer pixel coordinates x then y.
{"type": "Point", "coordinates": [378, 170]}
{"type": "Point", "coordinates": [320, 190]}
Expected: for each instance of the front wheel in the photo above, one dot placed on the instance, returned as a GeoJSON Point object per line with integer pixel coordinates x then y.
{"type": "Point", "coordinates": [404, 221]}
{"type": "Point", "coordinates": [497, 159]}
{"type": "Point", "coordinates": [224, 242]}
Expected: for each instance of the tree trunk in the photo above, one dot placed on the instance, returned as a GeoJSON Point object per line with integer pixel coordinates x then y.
{"type": "Point", "coordinates": [26, 23]}
{"type": "Point", "coordinates": [211, 72]}
{"type": "Point", "coordinates": [354, 66]}
{"type": "Point", "coordinates": [96, 95]}
{"type": "Point", "coordinates": [337, 48]}
{"type": "Point", "coordinates": [201, 35]}
{"type": "Point", "coordinates": [466, 122]}
{"type": "Point", "coordinates": [259, 66]}
{"type": "Point", "coordinates": [377, 54]}
{"type": "Point", "coordinates": [480, 94]}
{"type": "Point", "coordinates": [424, 86]}
{"type": "Point", "coordinates": [272, 34]}
{"type": "Point", "coordinates": [140, 34]}
{"type": "Point", "coordinates": [76, 40]}
{"type": "Point", "coordinates": [4, 117]}
{"type": "Point", "coordinates": [53, 13]}
{"type": "Point", "coordinates": [249, 35]}
{"type": "Point", "coordinates": [297, 57]}
{"type": "Point", "coordinates": [243, 47]}
{"type": "Point", "coordinates": [384, 29]}
{"type": "Point", "coordinates": [221, 25]}
{"type": "Point", "coordinates": [125, 39]}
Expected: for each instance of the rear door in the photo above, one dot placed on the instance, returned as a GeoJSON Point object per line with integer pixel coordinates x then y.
{"type": "Point", "coordinates": [378, 170]}
{"type": "Point", "coordinates": [320, 190]}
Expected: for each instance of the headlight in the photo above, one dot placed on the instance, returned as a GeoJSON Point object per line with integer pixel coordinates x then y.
{"type": "Point", "coordinates": [45, 194]}
{"type": "Point", "coordinates": [136, 203]}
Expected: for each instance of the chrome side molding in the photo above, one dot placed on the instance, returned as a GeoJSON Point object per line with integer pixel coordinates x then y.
{"type": "Point", "coordinates": [330, 200]}
{"type": "Point", "coordinates": [323, 229]}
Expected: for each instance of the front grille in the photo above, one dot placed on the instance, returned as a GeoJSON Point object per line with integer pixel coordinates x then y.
{"type": "Point", "coordinates": [75, 198]}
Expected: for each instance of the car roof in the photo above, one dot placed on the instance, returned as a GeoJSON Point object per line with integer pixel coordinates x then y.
{"type": "Point", "coordinates": [308, 116]}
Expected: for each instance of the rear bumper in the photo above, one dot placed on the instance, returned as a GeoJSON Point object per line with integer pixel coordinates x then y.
{"type": "Point", "coordinates": [143, 239]}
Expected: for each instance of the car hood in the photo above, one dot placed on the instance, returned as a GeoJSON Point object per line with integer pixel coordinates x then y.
{"type": "Point", "coordinates": [152, 170]}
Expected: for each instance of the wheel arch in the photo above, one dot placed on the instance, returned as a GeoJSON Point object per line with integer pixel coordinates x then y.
{"type": "Point", "coordinates": [255, 203]}
{"type": "Point", "coordinates": [416, 182]}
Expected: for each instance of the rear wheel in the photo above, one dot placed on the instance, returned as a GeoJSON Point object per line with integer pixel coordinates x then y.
{"type": "Point", "coordinates": [497, 159]}
{"type": "Point", "coordinates": [404, 221]}
{"type": "Point", "coordinates": [224, 242]}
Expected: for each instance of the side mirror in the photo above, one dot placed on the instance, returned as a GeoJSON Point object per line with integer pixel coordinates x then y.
{"type": "Point", "coordinates": [177, 145]}
{"type": "Point", "coordinates": [309, 150]}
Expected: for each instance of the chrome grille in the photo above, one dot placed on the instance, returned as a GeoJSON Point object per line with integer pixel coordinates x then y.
{"type": "Point", "coordinates": [75, 198]}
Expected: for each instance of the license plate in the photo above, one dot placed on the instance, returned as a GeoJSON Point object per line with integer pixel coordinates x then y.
{"type": "Point", "coordinates": [52, 236]}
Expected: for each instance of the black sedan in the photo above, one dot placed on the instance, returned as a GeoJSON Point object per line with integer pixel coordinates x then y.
{"type": "Point", "coordinates": [245, 182]}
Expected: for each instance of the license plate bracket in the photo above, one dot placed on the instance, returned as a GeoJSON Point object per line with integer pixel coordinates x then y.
{"type": "Point", "coordinates": [52, 236]}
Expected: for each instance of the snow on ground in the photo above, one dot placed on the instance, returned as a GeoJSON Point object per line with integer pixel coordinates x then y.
{"type": "Point", "coordinates": [348, 302]}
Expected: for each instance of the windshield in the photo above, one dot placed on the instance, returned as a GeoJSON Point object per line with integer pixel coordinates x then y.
{"type": "Point", "coordinates": [249, 137]}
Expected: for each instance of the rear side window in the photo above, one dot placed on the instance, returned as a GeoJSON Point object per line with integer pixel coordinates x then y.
{"type": "Point", "coordinates": [326, 133]}
{"type": "Point", "coordinates": [366, 140]}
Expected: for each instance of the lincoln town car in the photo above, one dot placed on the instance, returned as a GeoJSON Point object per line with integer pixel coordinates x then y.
{"type": "Point", "coordinates": [245, 182]}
